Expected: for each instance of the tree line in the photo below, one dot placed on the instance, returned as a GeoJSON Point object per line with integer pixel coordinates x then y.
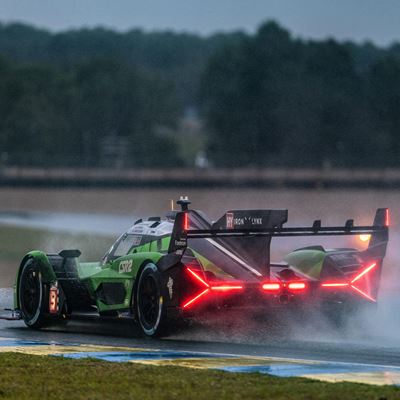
{"type": "Point", "coordinates": [96, 97]}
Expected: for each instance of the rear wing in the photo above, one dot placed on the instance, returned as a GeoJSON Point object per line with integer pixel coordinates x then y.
{"type": "Point", "coordinates": [269, 224]}
{"type": "Point", "coordinates": [258, 223]}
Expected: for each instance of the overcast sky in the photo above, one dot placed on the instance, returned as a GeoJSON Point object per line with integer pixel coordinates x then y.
{"type": "Point", "coordinates": [376, 20]}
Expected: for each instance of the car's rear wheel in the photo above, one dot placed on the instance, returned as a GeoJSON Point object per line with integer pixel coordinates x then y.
{"type": "Point", "coordinates": [32, 295]}
{"type": "Point", "coordinates": [149, 302]}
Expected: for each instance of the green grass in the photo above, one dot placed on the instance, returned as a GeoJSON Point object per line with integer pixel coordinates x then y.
{"type": "Point", "coordinates": [41, 377]}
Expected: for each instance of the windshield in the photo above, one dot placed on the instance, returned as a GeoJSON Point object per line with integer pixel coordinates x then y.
{"type": "Point", "coordinates": [122, 246]}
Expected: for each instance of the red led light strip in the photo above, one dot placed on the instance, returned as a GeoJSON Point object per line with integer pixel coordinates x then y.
{"type": "Point", "coordinates": [366, 270]}
{"type": "Point", "coordinates": [363, 293]}
{"type": "Point", "coordinates": [225, 287]}
{"type": "Point", "coordinates": [271, 286]}
{"type": "Point", "coordinates": [198, 277]}
{"type": "Point", "coordinates": [296, 285]}
{"type": "Point", "coordinates": [185, 221]}
{"type": "Point", "coordinates": [276, 286]}
{"type": "Point", "coordinates": [190, 302]}
{"type": "Point", "coordinates": [355, 279]}
{"type": "Point", "coordinates": [336, 284]}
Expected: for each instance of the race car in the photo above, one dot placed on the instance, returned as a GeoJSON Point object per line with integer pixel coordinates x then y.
{"type": "Point", "coordinates": [166, 271]}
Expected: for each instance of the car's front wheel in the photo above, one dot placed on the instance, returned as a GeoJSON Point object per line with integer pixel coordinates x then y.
{"type": "Point", "coordinates": [149, 302]}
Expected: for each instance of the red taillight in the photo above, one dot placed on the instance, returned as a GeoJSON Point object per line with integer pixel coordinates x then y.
{"type": "Point", "coordinates": [222, 287]}
{"type": "Point", "coordinates": [277, 286]}
{"type": "Point", "coordinates": [271, 287]}
{"type": "Point", "coordinates": [365, 271]}
{"type": "Point", "coordinates": [363, 291]}
{"type": "Point", "coordinates": [53, 300]}
{"type": "Point", "coordinates": [196, 276]}
{"type": "Point", "coordinates": [334, 285]}
{"type": "Point", "coordinates": [195, 299]}
{"type": "Point", "coordinates": [226, 288]}
{"type": "Point", "coordinates": [296, 285]}
{"type": "Point", "coordinates": [185, 221]}
{"type": "Point", "coordinates": [367, 296]}
{"type": "Point", "coordinates": [352, 283]}
{"type": "Point", "coordinates": [387, 217]}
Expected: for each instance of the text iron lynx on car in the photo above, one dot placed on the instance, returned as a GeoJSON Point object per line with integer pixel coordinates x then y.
{"type": "Point", "coordinates": [164, 271]}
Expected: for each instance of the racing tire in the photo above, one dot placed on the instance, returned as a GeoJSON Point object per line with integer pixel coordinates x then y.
{"type": "Point", "coordinates": [149, 304]}
{"type": "Point", "coordinates": [32, 296]}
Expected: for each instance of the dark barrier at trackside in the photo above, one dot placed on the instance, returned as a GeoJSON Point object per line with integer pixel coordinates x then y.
{"type": "Point", "coordinates": [201, 178]}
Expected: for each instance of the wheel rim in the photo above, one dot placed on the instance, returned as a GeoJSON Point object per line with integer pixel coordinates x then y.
{"type": "Point", "coordinates": [149, 301]}
{"type": "Point", "coordinates": [30, 292]}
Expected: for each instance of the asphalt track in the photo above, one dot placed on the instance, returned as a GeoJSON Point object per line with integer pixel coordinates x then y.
{"type": "Point", "coordinates": [125, 333]}
{"type": "Point", "coordinates": [315, 352]}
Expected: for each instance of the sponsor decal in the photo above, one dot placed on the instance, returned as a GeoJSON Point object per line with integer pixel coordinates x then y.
{"type": "Point", "coordinates": [232, 221]}
{"type": "Point", "coordinates": [125, 266]}
{"type": "Point", "coordinates": [229, 220]}
{"type": "Point", "coordinates": [170, 285]}
{"type": "Point", "coordinates": [180, 243]}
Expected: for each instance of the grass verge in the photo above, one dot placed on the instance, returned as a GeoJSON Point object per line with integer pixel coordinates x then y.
{"type": "Point", "coordinates": [39, 377]}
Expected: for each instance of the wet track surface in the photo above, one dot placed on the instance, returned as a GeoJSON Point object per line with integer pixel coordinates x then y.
{"type": "Point", "coordinates": [125, 333]}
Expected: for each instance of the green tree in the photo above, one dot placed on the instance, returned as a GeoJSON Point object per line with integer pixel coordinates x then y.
{"type": "Point", "coordinates": [383, 88]}
{"type": "Point", "coordinates": [241, 96]}
{"type": "Point", "coordinates": [270, 100]}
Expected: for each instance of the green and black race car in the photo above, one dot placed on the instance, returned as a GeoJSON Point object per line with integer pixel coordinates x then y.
{"type": "Point", "coordinates": [165, 271]}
